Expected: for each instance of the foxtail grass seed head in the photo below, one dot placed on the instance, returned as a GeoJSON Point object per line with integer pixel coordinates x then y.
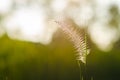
{"type": "Point", "coordinates": [78, 39]}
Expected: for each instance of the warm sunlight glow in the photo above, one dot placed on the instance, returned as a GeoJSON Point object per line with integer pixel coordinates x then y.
{"type": "Point", "coordinates": [103, 36]}
{"type": "Point", "coordinates": [84, 16]}
{"type": "Point", "coordinates": [28, 24]}
{"type": "Point", "coordinates": [5, 6]}
{"type": "Point", "coordinates": [59, 5]}
{"type": "Point", "coordinates": [28, 19]}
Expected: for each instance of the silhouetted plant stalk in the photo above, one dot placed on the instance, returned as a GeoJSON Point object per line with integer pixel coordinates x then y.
{"type": "Point", "coordinates": [80, 42]}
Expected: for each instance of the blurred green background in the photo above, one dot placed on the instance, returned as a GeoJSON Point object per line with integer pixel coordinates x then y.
{"type": "Point", "coordinates": [32, 47]}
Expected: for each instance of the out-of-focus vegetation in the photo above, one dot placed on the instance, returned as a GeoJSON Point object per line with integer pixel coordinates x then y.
{"type": "Point", "coordinates": [28, 61]}
{"type": "Point", "coordinates": [33, 49]}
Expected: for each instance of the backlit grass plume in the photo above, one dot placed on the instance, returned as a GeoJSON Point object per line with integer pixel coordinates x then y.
{"type": "Point", "coordinates": [79, 39]}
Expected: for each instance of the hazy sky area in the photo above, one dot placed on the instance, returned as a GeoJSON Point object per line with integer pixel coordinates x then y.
{"type": "Point", "coordinates": [29, 20]}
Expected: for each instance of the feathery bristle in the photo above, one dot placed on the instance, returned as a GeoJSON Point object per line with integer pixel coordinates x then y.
{"type": "Point", "coordinates": [79, 40]}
